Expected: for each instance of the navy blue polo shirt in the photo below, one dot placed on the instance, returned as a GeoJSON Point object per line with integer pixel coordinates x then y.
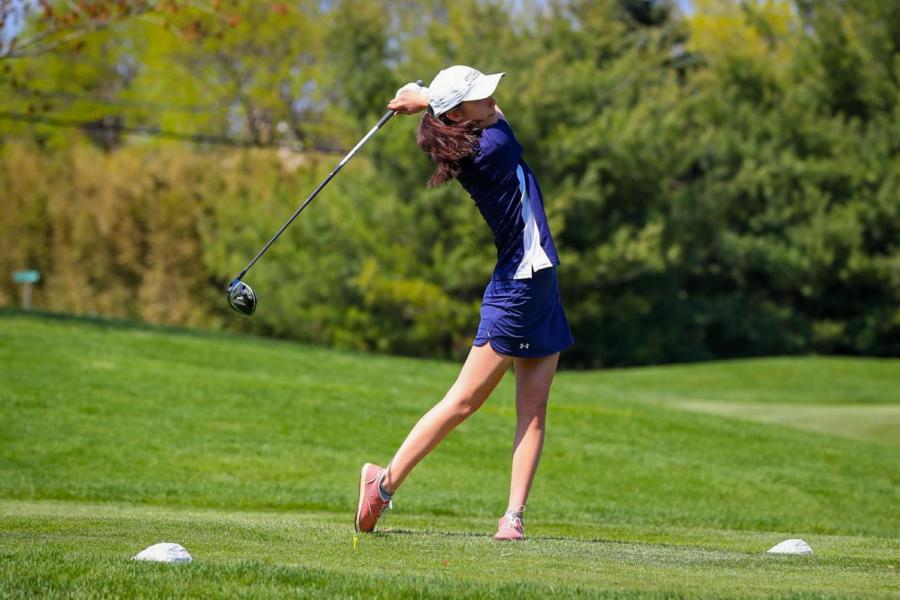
{"type": "Point", "coordinates": [507, 194]}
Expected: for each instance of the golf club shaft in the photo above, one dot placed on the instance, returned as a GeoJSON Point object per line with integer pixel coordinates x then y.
{"type": "Point", "coordinates": [384, 119]}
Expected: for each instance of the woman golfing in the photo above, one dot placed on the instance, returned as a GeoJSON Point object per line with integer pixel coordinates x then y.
{"type": "Point", "coordinates": [522, 323]}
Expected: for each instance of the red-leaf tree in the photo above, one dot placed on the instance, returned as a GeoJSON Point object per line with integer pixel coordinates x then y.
{"type": "Point", "coordinates": [33, 27]}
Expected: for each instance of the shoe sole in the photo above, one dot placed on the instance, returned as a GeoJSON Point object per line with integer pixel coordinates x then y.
{"type": "Point", "coordinates": [362, 495]}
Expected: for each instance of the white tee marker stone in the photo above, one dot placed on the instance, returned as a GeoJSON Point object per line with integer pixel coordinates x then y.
{"type": "Point", "coordinates": [791, 547]}
{"type": "Point", "coordinates": [164, 552]}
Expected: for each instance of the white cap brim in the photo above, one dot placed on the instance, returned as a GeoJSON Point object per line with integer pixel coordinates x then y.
{"type": "Point", "coordinates": [484, 87]}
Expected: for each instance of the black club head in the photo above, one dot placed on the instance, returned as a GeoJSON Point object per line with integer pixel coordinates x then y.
{"type": "Point", "coordinates": [241, 298]}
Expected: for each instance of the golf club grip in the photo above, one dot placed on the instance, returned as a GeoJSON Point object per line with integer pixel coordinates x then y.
{"type": "Point", "coordinates": [384, 119]}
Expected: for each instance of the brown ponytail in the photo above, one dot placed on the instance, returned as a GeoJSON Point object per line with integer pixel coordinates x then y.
{"type": "Point", "coordinates": [447, 145]}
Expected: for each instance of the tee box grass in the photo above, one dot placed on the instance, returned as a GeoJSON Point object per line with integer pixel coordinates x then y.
{"type": "Point", "coordinates": [655, 482]}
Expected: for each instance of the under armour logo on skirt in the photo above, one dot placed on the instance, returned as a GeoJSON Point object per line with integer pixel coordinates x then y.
{"type": "Point", "coordinates": [525, 346]}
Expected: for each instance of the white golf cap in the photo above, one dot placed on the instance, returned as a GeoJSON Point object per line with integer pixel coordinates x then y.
{"type": "Point", "coordinates": [460, 83]}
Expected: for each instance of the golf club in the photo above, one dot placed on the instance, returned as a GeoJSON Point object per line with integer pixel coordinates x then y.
{"type": "Point", "coordinates": [240, 295]}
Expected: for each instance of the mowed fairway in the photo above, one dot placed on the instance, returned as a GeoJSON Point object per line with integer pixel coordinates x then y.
{"type": "Point", "coordinates": [656, 482]}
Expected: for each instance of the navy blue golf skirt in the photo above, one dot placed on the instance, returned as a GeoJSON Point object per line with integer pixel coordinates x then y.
{"type": "Point", "coordinates": [524, 317]}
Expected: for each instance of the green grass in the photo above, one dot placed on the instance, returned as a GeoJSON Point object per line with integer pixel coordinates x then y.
{"type": "Point", "coordinates": [656, 482]}
{"type": "Point", "coordinates": [865, 422]}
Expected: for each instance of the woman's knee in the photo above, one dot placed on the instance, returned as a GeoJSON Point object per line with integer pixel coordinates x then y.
{"type": "Point", "coordinates": [532, 403]}
{"type": "Point", "coordinates": [464, 404]}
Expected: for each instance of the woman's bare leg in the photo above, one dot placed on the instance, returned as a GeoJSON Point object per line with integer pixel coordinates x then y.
{"type": "Point", "coordinates": [480, 374]}
{"type": "Point", "coordinates": [533, 379]}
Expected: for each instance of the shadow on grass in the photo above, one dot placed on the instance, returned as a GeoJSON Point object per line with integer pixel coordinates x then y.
{"type": "Point", "coordinates": [110, 323]}
{"type": "Point", "coordinates": [420, 532]}
{"type": "Point", "coordinates": [262, 337]}
{"type": "Point", "coordinates": [476, 534]}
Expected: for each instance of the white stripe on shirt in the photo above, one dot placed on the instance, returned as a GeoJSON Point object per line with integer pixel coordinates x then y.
{"type": "Point", "coordinates": [533, 258]}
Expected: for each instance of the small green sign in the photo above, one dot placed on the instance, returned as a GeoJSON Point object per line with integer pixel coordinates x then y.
{"type": "Point", "coordinates": [26, 276]}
